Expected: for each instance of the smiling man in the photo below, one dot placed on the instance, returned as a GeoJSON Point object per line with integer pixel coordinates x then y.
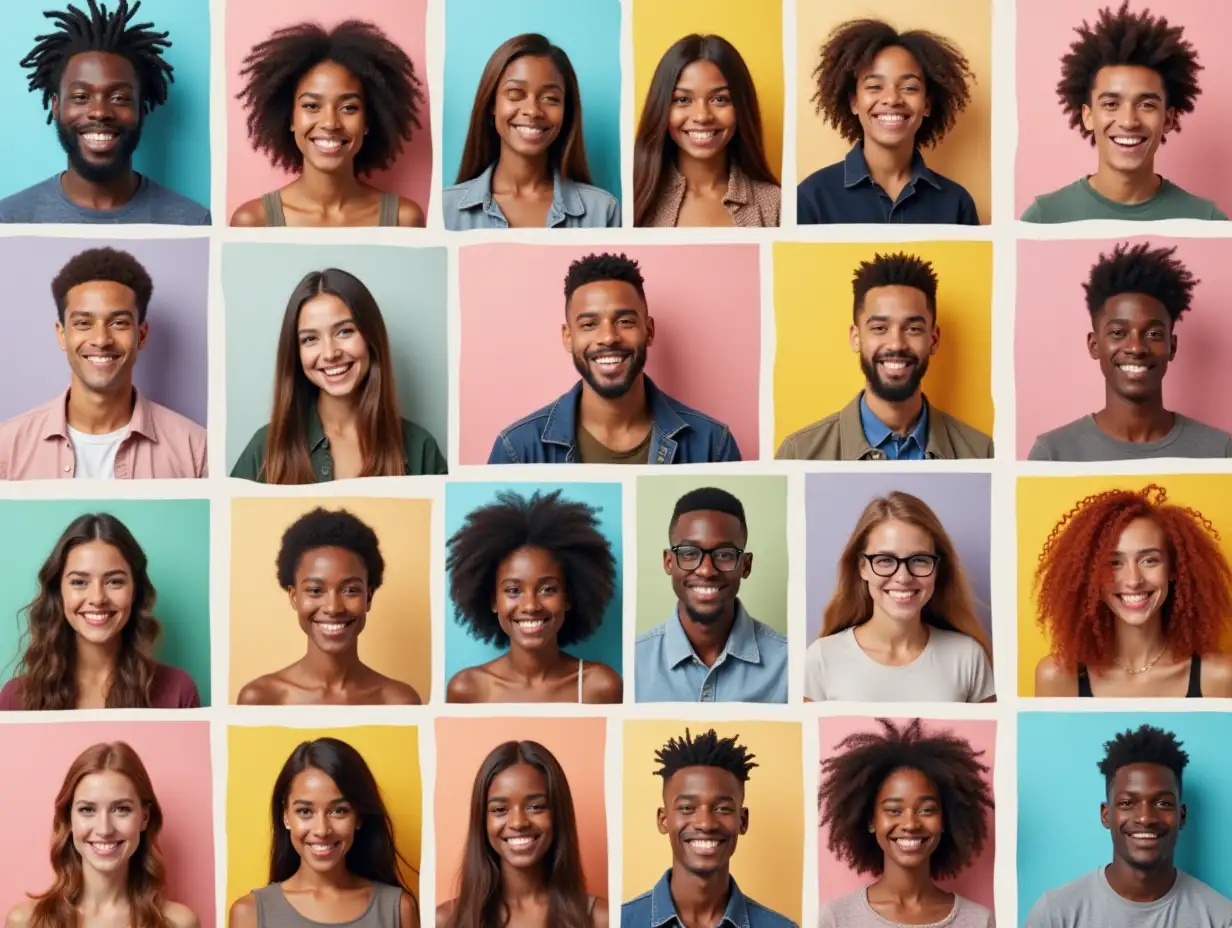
{"type": "Point", "coordinates": [615, 414]}
{"type": "Point", "coordinates": [101, 75]}
{"type": "Point", "coordinates": [1125, 83]}
{"type": "Point", "coordinates": [703, 815]}
{"type": "Point", "coordinates": [1143, 811]}
{"type": "Point", "coordinates": [894, 331]}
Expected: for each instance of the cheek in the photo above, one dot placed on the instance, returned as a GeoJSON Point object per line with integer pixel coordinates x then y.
{"type": "Point", "coordinates": [556, 604]}
{"type": "Point", "coordinates": [307, 357]}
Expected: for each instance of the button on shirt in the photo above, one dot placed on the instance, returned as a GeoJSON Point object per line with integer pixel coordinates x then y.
{"type": "Point", "coordinates": [751, 668]}
{"type": "Point", "coordinates": [655, 909]}
{"type": "Point", "coordinates": [893, 447]}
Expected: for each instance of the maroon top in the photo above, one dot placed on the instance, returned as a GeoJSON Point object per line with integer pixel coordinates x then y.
{"type": "Point", "coordinates": [173, 689]}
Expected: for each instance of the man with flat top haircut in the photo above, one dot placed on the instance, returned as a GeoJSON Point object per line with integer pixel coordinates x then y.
{"type": "Point", "coordinates": [710, 649]}
{"type": "Point", "coordinates": [894, 331]}
{"type": "Point", "coordinates": [615, 414]}
{"type": "Point", "coordinates": [100, 75]}
{"type": "Point", "coordinates": [1144, 812]}
{"type": "Point", "coordinates": [703, 815]}
{"type": "Point", "coordinates": [1125, 84]}
{"type": "Point", "coordinates": [1135, 296]}
{"type": "Point", "coordinates": [102, 427]}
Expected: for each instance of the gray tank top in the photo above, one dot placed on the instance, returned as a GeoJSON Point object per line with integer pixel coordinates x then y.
{"type": "Point", "coordinates": [274, 216]}
{"type": "Point", "coordinates": [273, 910]}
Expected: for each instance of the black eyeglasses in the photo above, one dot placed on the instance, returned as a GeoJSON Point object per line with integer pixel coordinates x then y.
{"type": "Point", "coordinates": [918, 565]}
{"type": "Point", "coordinates": [725, 557]}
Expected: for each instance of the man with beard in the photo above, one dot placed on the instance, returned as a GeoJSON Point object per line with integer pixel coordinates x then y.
{"type": "Point", "coordinates": [703, 815]}
{"type": "Point", "coordinates": [101, 75]}
{"type": "Point", "coordinates": [615, 414]}
{"type": "Point", "coordinates": [894, 330]}
{"type": "Point", "coordinates": [1141, 888]}
{"type": "Point", "coordinates": [711, 649]}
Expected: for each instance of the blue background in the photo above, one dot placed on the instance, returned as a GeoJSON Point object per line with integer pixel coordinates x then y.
{"type": "Point", "coordinates": [461, 650]}
{"type": "Point", "coordinates": [175, 143]}
{"type": "Point", "coordinates": [588, 31]}
{"type": "Point", "coordinates": [1060, 837]}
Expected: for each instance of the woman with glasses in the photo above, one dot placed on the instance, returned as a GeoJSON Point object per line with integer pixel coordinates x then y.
{"type": "Point", "coordinates": [901, 625]}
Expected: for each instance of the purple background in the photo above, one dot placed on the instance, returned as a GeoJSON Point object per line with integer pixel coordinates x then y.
{"type": "Point", "coordinates": [833, 503]}
{"type": "Point", "coordinates": [172, 368]}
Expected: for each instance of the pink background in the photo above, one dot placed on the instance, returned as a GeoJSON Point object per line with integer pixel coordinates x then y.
{"type": "Point", "coordinates": [1055, 380]}
{"type": "Point", "coordinates": [33, 761]}
{"type": "Point", "coordinates": [974, 883]}
{"type": "Point", "coordinates": [705, 300]}
{"type": "Point", "coordinates": [249, 173]}
{"type": "Point", "coordinates": [1051, 155]}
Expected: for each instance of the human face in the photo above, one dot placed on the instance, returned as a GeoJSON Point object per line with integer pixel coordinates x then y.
{"type": "Point", "coordinates": [107, 819]}
{"type": "Point", "coordinates": [320, 821]}
{"type": "Point", "coordinates": [707, 593]}
{"type": "Point", "coordinates": [1141, 573]}
{"type": "Point", "coordinates": [1133, 343]}
{"type": "Point", "coordinates": [519, 820]}
{"type": "Point", "coordinates": [607, 330]}
{"type": "Point", "coordinates": [907, 819]}
{"type": "Point", "coordinates": [98, 590]}
{"type": "Point", "coordinates": [703, 816]}
{"type": "Point", "coordinates": [331, 597]}
{"type": "Point", "coordinates": [1145, 814]}
{"type": "Point", "coordinates": [101, 337]}
{"type": "Point", "coordinates": [529, 109]}
{"type": "Point", "coordinates": [890, 99]}
{"type": "Point", "coordinates": [530, 601]}
{"type": "Point", "coordinates": [332, 352]}
{"type": "Point", "coordinates": [902, 595]}
{"type": "Point", "coordinates": [98, 115]}
{"type": "Point", "coordinates": [329, 121]}
{"type": "Point", "coordinates": [702, 119]}
{"type": "Point", "coordinates": [895, 336]}
{"type": "Point", "coordinates": [1129, 117]}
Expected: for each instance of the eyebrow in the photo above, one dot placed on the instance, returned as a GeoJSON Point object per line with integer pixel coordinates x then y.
{"type": "Point", "coordinates": [698, 544]}
{"type": "Point", "coordinates": [107, 573]}
{"type": "Point", "coordinates": [927, 797]}
{"type": "Point", "coordinates": [109, 313]}
{"type": "Point", "coordinates": [1124, 320]}
{"type": "Point", "coordinates": [714, 89]}
{"type": "Point", "coordinates": [1116, 95]}
{"type": "Point", "coordinates": [518, 82]}
{"type": "Point", "coordinates": [349, 320]}
{"type": "Point", "coordinates": [693, 797]}
{"type": "Point", "coordinates": [884, 318]}
{"type": "Point", "coordinates": [539, 580]}
{"type": "Point", "coordinates": [526, 798]}
{"type": "Point", "coordinates": [617, 313]}
{"type": "Point", "coordinates": [308, 802]}
{"type": "Point", "coordinates": [113, 85]}
{"type": "Point", "coordinates": [348, 95]}
{"type": "Point", "coordinates": [352, 579]}
{"type": "Point", "coordinates": [881, 77]}
{"type": "Point", "coordinates": [1141, 551]}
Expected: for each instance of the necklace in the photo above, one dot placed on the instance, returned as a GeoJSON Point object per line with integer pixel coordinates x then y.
{"type": "Point", "coordinates": [1149, 664]}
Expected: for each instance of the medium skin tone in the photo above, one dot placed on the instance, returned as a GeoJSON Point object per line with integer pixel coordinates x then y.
{"type": "Point", "coordinates": [1129, 116]}
{"type": "Point", "coordinates": [891, 102]}
{"type": "Point", "coordinates": [1145, 815]}
{"type": "Point", "coordinates": [329, 123]}
{"type": "Point", "coordinates": [895, 335]}
{"type": "Point", "coordinates": [701, 123]}
{"type": "Point", "coordinates": [97, 590]}
{"type": "Point", "coordinates": [528, 113]}
{"type": "Point", "coordinates": [908, 823]}
{"type": "Point", "coordinates": [1132, 340]}
{"type": "Point", "coordinates": [331, 599]}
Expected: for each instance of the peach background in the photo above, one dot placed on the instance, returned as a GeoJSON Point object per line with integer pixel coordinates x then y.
{"type": "Point", "coordinates": [579, 745]}
{"type": "Point", "coordinates": [249, 173]}
{"type": "Point", "coordinates": [705, 299]}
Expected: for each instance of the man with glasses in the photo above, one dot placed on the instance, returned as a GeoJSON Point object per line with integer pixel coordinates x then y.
{"type": "Point", "coordinates": [711, 649]}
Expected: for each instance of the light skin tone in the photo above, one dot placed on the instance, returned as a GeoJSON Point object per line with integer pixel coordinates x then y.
{"type": "Point", "coordinates": [895, 334]}
{"type": "Point", "coordinates": [1131, 337]}
{"type": "Point", "coordinates": [97, 590]}
{"type": "Point", "coordinates": [1129, 116]}
{"type": "Point", "coordinates": [1144, 815]}
{"type": "Point", "coordinates": [702, 122]}
{"type": "Point", "coordinates": [891, 101]}
{"type": "Point", "coordinates": [529, 113]}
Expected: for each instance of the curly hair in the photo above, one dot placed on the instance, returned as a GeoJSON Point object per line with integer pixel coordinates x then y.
{"type": "Point", "coordinates": [393, 92]}
{"type": "Point", "coordinates": [322, 528]}
{"type": "Point", "coordinates": [852, 47]}
{"type": "Point", "coordinates": [109, 264]}
{"type": "Point", "coordinates": [852, 776]}
{"type": "Point", "coordinates": [893, 270]}
{"type": "Point", "coordinates": [706, 750]}
{"type": "Point", "coordinates": [1141, 269]}
{"type": "Point", "coordinates": [602, 267]}
{"type": "Point", "coordinates": [567, 530]}
{"type": "Point", "coordinates": [1125, 38]}
{"type": "Point", "coordinates": [1075, 566]}
{"type": "Point", "coordinates": [1145, 745]}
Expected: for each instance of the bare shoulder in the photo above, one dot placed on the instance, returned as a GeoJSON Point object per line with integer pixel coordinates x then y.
{"type": "Point", "coordinates": [243, 913]}
{"type": "Point", "coordinates": [408, 911]}
{"type": "Point", "coordinates": [1217, 675]}
{"type": "Point", "coordinates": [443, 911]}
{"type": "Point", "coordinates": [602, 684]}
{"type": "Point", "coordinates": [250, 214]}
{"type": "Point", "coordinates": [263, 691]}
{"type": "Point", "coordinates": [1052, 679]}
{"type": "Point", "coordinates": [466, 686]}
{"type": "Point", "coordinates": [410, 214]}
{"type": "Point", "coordinates": [397, 693]}
{"type": "Point", "coordinates": [19, 915]}
{"type": "Point", "coordinates": [600, 915]}
{"type": "Point", "coordinates": [180, 915]}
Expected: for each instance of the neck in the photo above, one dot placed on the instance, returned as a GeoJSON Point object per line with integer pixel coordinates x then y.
{"type": "Point", "coordinates": [521, 884]}
{"type": "Point", "coordinates": [101, 891]}
{"type": "Point", "coordinates": [708, 638]}
{"type": "Point", "coordinates": [700, 898]}
{"type": "Point", "coordinates": [334, 671]}
{"type": "Point", "coordinates": [894, 635]}
{"type": "Point", "coordinates": [534, 666]}
{"type": "Point", "coordinates": [330, 190]}
{"type": "Point", "coordinates": [1121, 187]}
{"type": "Point", "coordinates": [1139, 885]}
{"type": "Point", "coordinates": [107, 194]}
{"type": "Point", "coordinates": [710, 174]}
{"type": "Point", "coordinates": [1137, 646]}
{"type": "Point", "coordinates": [888, 163]}
{"type": "Point", "coordinates": [1135, 420]}
{"type": "Point", "coordinates": [900, 417]}
{"type": "Point", "coordinates": [618, 412]}
{"type": "Point", "coordinates": [338, 413]}
{"type": "Point", "coordinates": [335, 878]}
{"type": "Point", "coordinates": [99, 413]}
{"type": "Point", "coordinates": [93, 663]}
{"type": "Point", "coordinates": [516, 173]}
{"type": "Point", "coordinates": [909, 888]}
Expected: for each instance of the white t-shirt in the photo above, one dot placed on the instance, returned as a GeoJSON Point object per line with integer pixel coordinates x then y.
{"type": "Point", "coordinates": [96, 454]}
{"type": "Point", "coordinates": [951, 668]}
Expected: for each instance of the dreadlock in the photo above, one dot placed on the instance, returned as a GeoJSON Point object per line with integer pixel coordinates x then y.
{"type": "Point", "coordinates": [707, 750]}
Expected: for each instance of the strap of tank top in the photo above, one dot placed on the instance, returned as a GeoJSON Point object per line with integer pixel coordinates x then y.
{"type": "Point", "coordinates": [1084, 682]}
{"type": "Point", "coordinates": [579, 680]}
{"type": "Point", "coordinates": [389, 210]}
{"type": "Point", "coordinates": [1195, 678]}
{"type": "Point", "coordinates": [274, 215]}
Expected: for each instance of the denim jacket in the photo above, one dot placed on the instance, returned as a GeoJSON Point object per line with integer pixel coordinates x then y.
{"type": "Point", "coordinates": [470, 205]}
{"type": "Point", "coordinates": [655, 909]}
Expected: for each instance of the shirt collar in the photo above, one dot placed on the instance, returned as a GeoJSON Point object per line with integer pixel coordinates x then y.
{"type": "Point", "coordinates": [663, 909]}
{"type": "Point", "coordinates": [741, 641]}
{"type": "Point", "coordinates": [477, 192]}
{"type": "Point", "coordinates": [855, 169]}
{"type": "Point", "coordinates": [878, 433]}
{"type": "Point", "coordinates": [561, 427]}
{"type": "Point", "coordinates": [141, 423]}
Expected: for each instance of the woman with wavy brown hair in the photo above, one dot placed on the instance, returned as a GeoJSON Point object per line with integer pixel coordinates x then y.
{"type": "Point", "coordinates": [91, 630]}
{"type": "Point", "coordinates": [104, 851]}
{"type": "Point", "coordinates": [901, 625]}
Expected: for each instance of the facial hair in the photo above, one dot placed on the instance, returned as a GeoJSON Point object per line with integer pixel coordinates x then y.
{"type": "Point", "coordinates": [99, 172]}
{"type": "Point", "coordinates": [615, 390]}
{"type": "Point", "coordinates": [892, 393]}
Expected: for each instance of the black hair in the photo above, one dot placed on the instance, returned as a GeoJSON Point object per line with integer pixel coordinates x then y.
{"type": "Point", "coordinates": [595, 268]}
{"type": "Point", "coordinates": [706, 750]}
{"type": "Point", "coordinates": [98, 30]}
{"type": "Point", "coordinates": [1141, 269]}
{"type": "Point", "coordinates": [1145, 745]}
{"type": "Point", "coordinates": [896, 270]}
{"type": "Point", "coordinates": [322, 528]}
{"type": "Point", "coordinates": [709, 499]}
{"type": "Point", "coordinates": [103, 264]}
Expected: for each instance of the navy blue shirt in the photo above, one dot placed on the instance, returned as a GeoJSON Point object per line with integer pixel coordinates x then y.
{"type": "Point", "coordinates": [846, 192]}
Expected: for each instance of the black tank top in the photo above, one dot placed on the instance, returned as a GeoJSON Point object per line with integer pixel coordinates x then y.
{"type": "Point", "coordinates": [1195, 679]}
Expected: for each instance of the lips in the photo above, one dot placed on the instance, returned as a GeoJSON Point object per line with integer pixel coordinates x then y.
{"type": "Point", "coordinates": [321, 849]}
{"type": "Point", "coordinates": [333, 629]}
{"type": "Point", "coordinates": [1134, 600]}
{"type": "Point", "coordinates": [704, 592]}
{"type": "Point", "coordinates": [892, 121]}
{"type": "Point", "coordinates": [531, 626]}
{"type": "Point", "coordinates": [1128, 142]}
{"type": "Point", "coordinates": [106, 848]}
{"type": "Point", "coordinates": [98, 140]}
{"type": "Point", "coordinates": [704, 846]}
{"type": "Point", "coordinates": [910, 845]}
{"type": "Point", "coordinates": [328, 144]}
{"type": "Point", "coordinates": [102, 360]}
{"type": "Point", "coordinates": [610, 362]}
{"type": "Point", "coordinates": [336, 373]}
{"type": "Point", "coordinates": [902, 597]}
{"type": "Point", "coordinates": [704, 138]}
{"type": "Point", "coordinates": [896, 367]}
{"type": "Point", "coordinates": [531, 133]}
{"type": "Point", "coordinates": [97, 618]}
{"type": "Point", "coordinates": [521, 844]}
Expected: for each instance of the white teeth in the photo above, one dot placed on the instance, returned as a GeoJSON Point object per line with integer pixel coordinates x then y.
{"type": "Point", "coordinates": [530, 132]}
{"type": "Point", "coordinates": [318, 848]}
{"type": "Point", "coordinates": [705, 843]}
{"type": "Point", "coordinates": [891, 117]}
{"type": "Point", "coordinates": [332, 627]}
{"type": "Point", "coordinates": [1143, 836]}
{"type": "Point", "coordinates": [1126, 141]}
{"type": "Point", "coordinates": [706, 590]}
{"type": "Point", "coordinates": [98, 136]}
{"type": "Point", "coordinates": [105, 848]}
{"type": "Point", "coordinates": [103, 359]}
{"type": "Point", "coordinates": [530, 625]}
{"type": "Point", "coordinates": [328, 144]}
{"type": "Point", "coordinates": [702, 134]}
{"type": "Point", "coordinates": [520, 842]}
{"type": "Point", "coordinates": [896, 365]}
{"type": "Point", "coordinates": [909, 843]}
{"type": "Point", "coordinates": [337, 371]}
{"type": "Point", "coordinates": [610, 360]}
{"type": "Point", "coordinates": [901, 596]}
{"type": "Point", "coordinates": [96, 618]}
{"type": "Point", "coordinates": [1134, 598]}
{"type": "Point", "coordinates": [1133, 368]}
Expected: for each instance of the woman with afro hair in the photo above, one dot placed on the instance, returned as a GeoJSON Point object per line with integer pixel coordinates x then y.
{"type": "Point", "coordinates": [535, 575]}
{"type": "Point", "coordinates": [889, 94]}
{"type": "Point", "coordinates": [1135, 596]}
{"type": "Point", "coordinates": [909, 807]}
{"type": "Point", "coordinates": [331, 106]}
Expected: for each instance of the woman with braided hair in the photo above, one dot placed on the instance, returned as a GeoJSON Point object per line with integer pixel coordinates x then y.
{"type": "Point", "coordinates": [1135, 596]}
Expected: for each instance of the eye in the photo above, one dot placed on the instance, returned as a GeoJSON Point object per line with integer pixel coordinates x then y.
{"type": "Point", "coordinates": [680, 99]}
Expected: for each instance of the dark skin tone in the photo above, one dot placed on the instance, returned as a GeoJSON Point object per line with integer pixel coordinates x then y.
{"type": "Point", "coordinates": [1132, 340]}
{"type": "Point", "coordinates": [1144, 800]}
{"type": "Point", "coordinates": [891, 101]}
{"type": "Point", "coordinates": [897, 334]}
{"type": "Point", "coordinates": [702, 122]}
{"type": "Point", "coordinates": [1129, 117]}
{"type": "Point", "coordinates": [907, 820]}
{"type": "Point", "coordinates": [528, 112]}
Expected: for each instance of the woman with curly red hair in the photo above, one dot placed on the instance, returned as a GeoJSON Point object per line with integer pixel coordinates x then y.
{"type": "Point", "coordinates": [1135, 595]}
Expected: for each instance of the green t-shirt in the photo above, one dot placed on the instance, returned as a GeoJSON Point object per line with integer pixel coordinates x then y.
{"type": "Point", "coordinates": [1080, 201]}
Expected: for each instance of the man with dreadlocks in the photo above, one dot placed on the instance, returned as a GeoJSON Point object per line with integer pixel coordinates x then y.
{"type": "Point", "coordinates": [1125, 84]}
{"type": "Point", "coordinates": [703, 815]}
{"type": "Point", "coordinates": [100, 74]}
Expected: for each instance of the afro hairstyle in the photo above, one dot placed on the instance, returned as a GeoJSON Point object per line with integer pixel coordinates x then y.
{"type": "Point", "coordinates": [1145, 745]}
{"type": "Point", "coordinates": [103, 264]}
{"type": "Point", "coordinates": [323, 528]}
{"type": "Point", "coordinates": [1153, 272]}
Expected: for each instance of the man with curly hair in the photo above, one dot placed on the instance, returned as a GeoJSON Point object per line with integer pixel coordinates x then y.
{"type": "Point", "coordinates": [1125, 84]}
{"type": "Point", "coordinates": [1144, 812]}
{"type": "Point", "coordinates": [1135, 297]}
{"type": "Point", "coordinates": [100, 75]}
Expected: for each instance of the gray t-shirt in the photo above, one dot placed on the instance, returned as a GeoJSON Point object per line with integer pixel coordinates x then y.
{"type": "Point", "coordinates": [1083, 440]}
{"type": "Point", "coordinates": [853, 911]}
{"type": "Point", "coordinates": [1089, 901]}
{"type": "Point", "coordinates": [46, 202]}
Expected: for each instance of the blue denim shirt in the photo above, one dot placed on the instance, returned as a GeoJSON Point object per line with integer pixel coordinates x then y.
{"type": "Point", "coordinates": [680, 435]}
{"type": "Point", "coordinates": [470, 205]}
{"type": "Point", "coordinates": [751, 668]}
{"type": "Point", "coordinates": [882, 437]}
{"type": "Point", "coordinates": [655, 909]}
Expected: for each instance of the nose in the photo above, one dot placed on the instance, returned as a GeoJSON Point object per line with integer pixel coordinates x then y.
{"type": "Point", "coordinates": [1129, 116]}
{"type": "Point", "coordinates": [530, 106]}
{"type": "Point", "coordinates": [517, 818]}
{"type": "Point", "coordinates": [333, 603]}
{"type": "Point", "coordinates": [530, 602]}
{"type": "Point", "coordinates": [97, 594]}
{"type": "Point", "coordinates": [700, 110]}
{"type": "Point", "coordinates": [1146, 813]}
{"type": "Point", "coordinates": [98, 109]}
{"type": "Point", "coordinates": [706, 568]}
{"type": "Point", "coordinates": [703, 820]}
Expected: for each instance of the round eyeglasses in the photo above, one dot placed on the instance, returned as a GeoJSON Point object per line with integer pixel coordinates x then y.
{"type": "Point", "coordinates": [918, 565]}
{"type": "Point", "coordinates": [725, 557]}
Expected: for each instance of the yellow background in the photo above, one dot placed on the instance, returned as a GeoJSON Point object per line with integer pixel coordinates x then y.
{"type": "Point", "coordinates": [755, 29]}
{"type": "Point", "coordinates": [965, 154]}
{"type": "Point", "coordinates": [815, 371]}
{"type": "Point", "coordinates": [265, 632]}
{"type": "Point", "coordinates": [255, 757]}
{"type": "Point", "coordinates": [768, 863]}
{"type": "Point", "coordinates": [1042, 501]}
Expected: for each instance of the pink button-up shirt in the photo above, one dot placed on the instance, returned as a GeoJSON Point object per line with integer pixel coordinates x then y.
{"type": "Point", "coordinates": [160, 443]}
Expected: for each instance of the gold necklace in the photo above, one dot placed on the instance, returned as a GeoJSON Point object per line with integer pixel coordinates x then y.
{"type": "Point", "coordinates": [1151, 663]}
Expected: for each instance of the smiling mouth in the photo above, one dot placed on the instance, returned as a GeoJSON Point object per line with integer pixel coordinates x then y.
{"type": "Point", "coordinates": [909, 845]}
{"type": "Point", "coordinates": [521, 842]}
{"type": "Point", "coordinates": [891, 120]}
{"type": "Point", "coordinates": [896, 368]}
{"type": "Point", "coordinates": [530, 626]}
{"type": "Point", "coordinates": [105, 848]}
{"type": "Point", "coordinates": [97, 618]}
{"type": "Point", "coordinates": [1148, 837]}
{"type": "Point", "coordinates": [532, 133]}
{"type": "Point", "coordinates": [1135, 600]}
{"type": "Point", "coordinates": [320, 849]}
{"type": "Point", "coordinates": [610, 361]}
{"type": "Point", "coordinates": [98, 140]}
{"type": "Point", "coordinates": [338, 371]}
{"type": "Point", "coordinates": [1133, 369]}
{"type": "Point", "coordinates": [703, 135]}
{"type": "Point", "coordinates": [902, 596]}
{"type": "Point", "coordinates": [705, 591]}
{"type": "Point", "coordinates": [329, 145]}
{"type": "Point", "coordinates": [333, 628]}
{"type": "Point", "coordinates": [102, 360]}
{"type": "Point", "coordinates": [1128, 142]}
{"type": "Point", "coordinates": [704, 846]}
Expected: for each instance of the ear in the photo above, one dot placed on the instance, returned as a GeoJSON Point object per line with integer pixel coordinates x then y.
{"type": "Point", "coordinates": [650, 330]}
{"type": "Point", "coordinates": [371, 594]}
{"type": "Point", "coordinates": [1184, 816]}
{"type": "Point", "coordinates": [566, 337]}
{"type": "Point", "coordinates": [1103, 816]}
{"type": "Point", "coordinates": [744, 821]}
{"type": "Point", "coordinates": [291, 598]}
{"type": "Point", "coordinates": [145, 819]}
{"type": "Point", "coordinates": [1169, 119]}
{"type": "Point", "coordinates": [143, 332]}
{"type": "Point", "coordinates": [748, 565]}
{"type": "Point", "coordinates": [667, 561]}
{"type": "Point", "coordinates": [661, 819]}
{"type": "Point", "coordinates": [853, 338]}
{"type": "Point", "coordinates": [61, 336]}
{"type": "Point", "coordinates": [935, 340]}
{"type": "Point", "coordinates": [55, 107]}
{"type": "Point", "coordinates": [1088, 119]}
{"type": "Point", "coordinates": [1093, 346]}
{"type": "Point", "coordinates": [1172, 349]}
{"type": "Point", "coordinates": [851, 101]}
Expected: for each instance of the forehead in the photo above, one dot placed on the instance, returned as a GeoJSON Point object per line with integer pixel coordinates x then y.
{"type": "Point", "coordinates": [1136, 308]}
{"type": "Point", "coordinates": [605, 296]}
{"type": "Point", "coordinates": [906, 783]}
{"type": "Point", "coordinates": [896, 537]}
{"type": "Point", "coordinates": [896, 303]}
{"type": "Point", "coordinates": [322, 310]}
{"type": "Point", "coordinates": [315, 783]}
{"type": "Point", "coordinates": [529, 561]}
{"type": "Point", "coordinates": [329, 77]}
{"type": "Point", "coordinates": [1127, 80]}
{"type": "Point", "coordinates": [706, 526]}
{"type": "Point", "coordinates": [99, 69]}
{"type": "Point", "coordinates": [104, 786]}
{"type": "Point", "coordinates": [517, 780]}
{"type": "Point", "coordinates": [331, 562]}
{"type": "Point", "coordinates": [1145, 779]}
{"type": "Point", "coordinates": [1141, 534]}
{"type": "Point", "coordinates": [704, 783]}
{"type": "Point", "coordinates": [95, 556]}
{"type": "Point", "coordinates": [892, 61]}
{"type": "Point", "coordinates": [701, 73]}
{"type": "Point", "coordinates": [533, 70]}
{"type": "Point", "coordinates": [96, 296]}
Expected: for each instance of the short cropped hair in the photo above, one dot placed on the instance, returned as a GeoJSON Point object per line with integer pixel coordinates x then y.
{"type": "Point", "coordinates": [601, 267]}
{"type": "Point", "coordinates": [709, 499]}
{"type": "Point", "coordinates": [323, 528]}
{"type": "Point", "coordinates": [894, 270]}
{"type": "Point", "coordinates": [103, 264]}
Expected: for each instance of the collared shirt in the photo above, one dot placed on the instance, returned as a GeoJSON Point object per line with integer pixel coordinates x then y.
{"type": "Point", "coordinates": [751, 204]}
{"type": "Point", "coordinates": [909, 447]}
{"type": "Point", "coordinates": [161, 443]}
{"type": "Point", "coordinates": [846, 192]}
{"type": "Point", "coordinates": [470, 205]}
{"type": "Point", "coordinates": [752, 667]}
{"type": "Point", "coordinates": [655, 909]}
